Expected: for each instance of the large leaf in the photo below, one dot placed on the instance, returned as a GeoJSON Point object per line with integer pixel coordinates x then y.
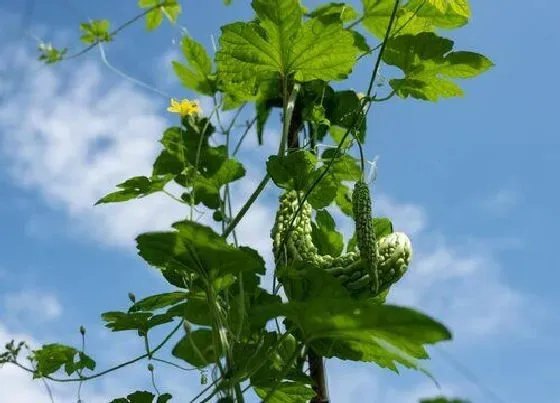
{"type": "Point", "coordinates": [158, 301]}
{"type": "Point", "coordinates": [140, 321]}
{"type": "Point", "coordinates": [415, 16]}
{"type": "Point", "coordinates": [197, 348]}
{"type": "Point", "coordinates": [428, 64]}
{"type": "Point", "coordinates": [287, 392]}
{"type": "Point", "coordinates": [197, 249]}
{"type": "Point", "coordinates": [344, 11]}
{"type": "Point", "coordinates": [279, 44]}
{"type": "Point", "coordinates": [355, 330]}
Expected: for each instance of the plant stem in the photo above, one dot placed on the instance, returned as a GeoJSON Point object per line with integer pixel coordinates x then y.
{"type": "Point", "coordinates": [246, 206]}
{"type": "Point", "coordinates": [318, 375]}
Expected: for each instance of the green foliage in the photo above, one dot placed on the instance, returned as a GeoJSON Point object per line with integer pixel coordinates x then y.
{"type": "Point", "coordinates": [136, 188]}
{"type": "Point", "coordinates": [442, 399]}
{"type": "Point", "coordinates": [254, 55]}
{"type": "Point", "coordinates": [157, 10]}
{"type": "Point", "coordinates": [296, 171]}
{"type": "Point", "coordinates": [96, 31]}
{"type": "Point", "coordinates": [344, 11]}
{"type": "Point", "coordinates": [50, 55]}
{"type": "Point", "coordinates": [194, 249]}
{"type": "Point", "coordinates": [357, 330]}
{"type": "Point", "coordinates": [140, 321]}
{"type": "Point", "coordinates": [197, 348]}
{"type": "Point", "coordinates": [428, 64]}
{"type": "Point", "coordinates": [196, 75]}
{"type": "Point", "coordinates": [143, 397]}
{"type": "Point", "coordinates": [415, 16]}
{"type": "Point", "coordinates": [189, 158]}
{"type": "Point", "coordinates": [51, 357]}
{"type": "Point", "coordinates": [325, 237]}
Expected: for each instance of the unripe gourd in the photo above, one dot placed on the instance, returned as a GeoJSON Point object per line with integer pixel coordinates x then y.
{"type": "Point", "coordinates": [386, 258]}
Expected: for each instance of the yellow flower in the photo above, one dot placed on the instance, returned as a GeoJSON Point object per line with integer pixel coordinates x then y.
{"type": "Point", "coordinates": [184, 107]}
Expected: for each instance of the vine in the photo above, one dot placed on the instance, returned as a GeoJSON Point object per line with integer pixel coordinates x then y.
{"type": "Point", "coordinates": [284, 60]}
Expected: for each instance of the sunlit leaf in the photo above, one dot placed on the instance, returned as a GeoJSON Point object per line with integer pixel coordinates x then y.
{"type": "Point", "coordinates": [415, 16]}
{"type": "Point", "coordinates": [359, 331]}
{"type": "Point", "coordinates": [51, 357]}
{"type": "Point", "coordinates": [136, 188]}
{"type": "Point", "coordinates": [428, 63]}
{"type": "Point", "coordinates": [280, 45]}
{"type": "Point", "coordinates": [195, 248]}
{"type": "Point", "coordinates": [196, 74]}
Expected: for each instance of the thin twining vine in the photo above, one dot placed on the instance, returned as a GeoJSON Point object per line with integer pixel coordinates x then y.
{"type": "Point", "coordinates": [109, 370]}
{"type": "Point", "coordinates": [117, 30]}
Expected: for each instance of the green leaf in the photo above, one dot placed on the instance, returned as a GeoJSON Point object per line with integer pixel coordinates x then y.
{"type": "Point", "coordinates": [197, 348]}
{"type": "Point", "coordinates": [325, 237]}
{"type": "Point", "coordinates": [185, 149]}
{"type": "Point", "coordinates": [154, 17]}
{"type": "Point", "coordinates": [196, 75]}
{"type": "Point", "coordinates": [279, 45]}
{"type": "Point", "coordinates": [136, 188]}
{"type": "Point", "coordinates": [158, 301]}
{"type": "Point", "coordinates": [343, 200]}
{"type": "Point", "coordinates": [51, 357]}
{"type": "Point", "coordinates": [207, 188]}
{"type": "Point", "coordinates": [142, 396]}
{"type": "Point", "coordinates": [344, 11]}
{"type": "Point", "coordinates": [297, 171]}
{"type": "Point", "coordinates": [415, 16]}
{"type": "Point", "coordinates": [343, 109]}
{"type": "Point", "coordinates": [313, 282]}
{"type": "Point", "coordinates": [287, 392]}
{"type": "Point", "coordinates": [50, 55]}
{"type": "Point", "coordinates": [140, 321]}
{"type": "Point", "coordinates": [382, 227]}
{"type": "Point", "coordinates": [164, 398]}
{"type": "Point", "coordinates": [292, 171]}
{"type": "Point", "coordinates": [263, 112]}
{"type": "Point", "coordinates": [96, 31]}
{"type": "Point", "coordinates": [441, 399]}
{"type": "Point", "coordinates": [356, 330]}
{"type": "Point", "coordinates": [428, 64]}
{"type": "Point", "coordinates": [197, 249]}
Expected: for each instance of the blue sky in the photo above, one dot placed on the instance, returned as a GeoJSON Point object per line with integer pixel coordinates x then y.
{"type": "Point", "coordinates": [471, 180]}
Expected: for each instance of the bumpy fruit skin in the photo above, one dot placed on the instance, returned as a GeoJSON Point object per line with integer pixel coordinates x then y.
{"type": "Point", "coordinates": [393, 253]}
{"type": "Point", "coordinates": [394, 256]}
{"type": "Point", "coordinates": [365, 234]}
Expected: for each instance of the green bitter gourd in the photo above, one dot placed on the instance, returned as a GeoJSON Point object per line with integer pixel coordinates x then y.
{"type": "Point", "coordinates": [393, 252]}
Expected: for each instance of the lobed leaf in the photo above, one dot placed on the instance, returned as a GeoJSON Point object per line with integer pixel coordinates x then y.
{"type": "Point", "coordinates": [428, 64]}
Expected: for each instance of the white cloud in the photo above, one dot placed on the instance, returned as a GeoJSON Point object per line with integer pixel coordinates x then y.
{"type": "Point", "coordinates": [464, 289]}
{"type": "Point", "coordinates": [31, 304]}
{"type": "Point", "coordinates": [500, 203]}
